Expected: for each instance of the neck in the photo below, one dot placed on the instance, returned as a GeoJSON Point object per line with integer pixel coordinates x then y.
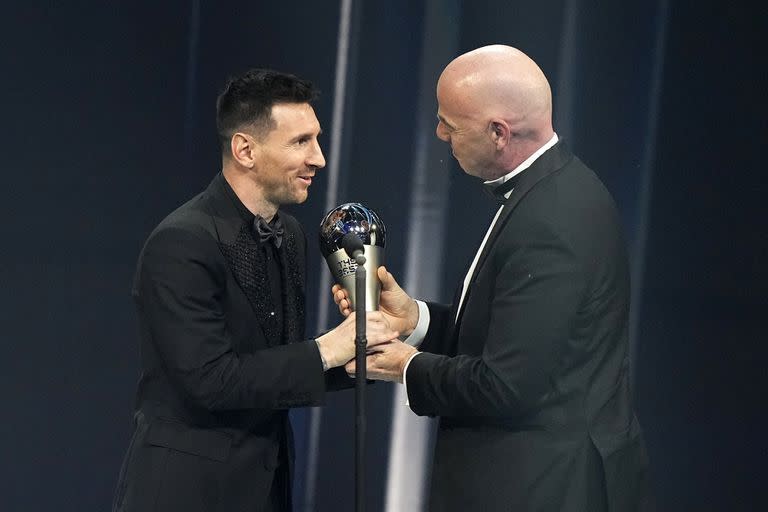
{"type": "Point", "coordinates": [523, 151]}
{"type": "Point", "coordinates": [249, 193]}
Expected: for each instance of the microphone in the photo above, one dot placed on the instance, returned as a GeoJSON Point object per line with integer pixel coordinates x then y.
{"type": "Point", "coordinates": [352, 234]}
{"type": "Point", "coordinates": [354, 247]}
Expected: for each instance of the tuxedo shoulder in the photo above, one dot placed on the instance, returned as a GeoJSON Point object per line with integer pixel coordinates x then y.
{"type": "Point", "coordinates": [571, 206]}
{"type": "Point", "coordinates": [188, 223]}
{"type": "Point", "coordinates": [572, 191]}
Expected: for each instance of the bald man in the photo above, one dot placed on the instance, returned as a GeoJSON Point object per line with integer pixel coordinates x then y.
{"type": "Point", "coordinates": [528, 368]}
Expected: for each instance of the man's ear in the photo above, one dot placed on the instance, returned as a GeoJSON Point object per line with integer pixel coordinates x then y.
{"type": "Point", "coordinates": [243, 149]}
{"type": "Point", "coordinates": [500, 133]}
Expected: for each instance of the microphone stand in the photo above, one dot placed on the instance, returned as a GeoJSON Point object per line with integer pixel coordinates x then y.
{"type": "Point", "coordinates": [361, 343]}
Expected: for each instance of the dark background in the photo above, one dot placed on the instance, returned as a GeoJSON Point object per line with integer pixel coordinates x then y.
{"type": "Point", "coordinates": [108, 124]}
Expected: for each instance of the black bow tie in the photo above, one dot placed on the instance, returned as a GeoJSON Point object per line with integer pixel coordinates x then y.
{"type": "Point", "coordinates": [498, 192]}
{"type": "Point", "coordinates": [269, 232]}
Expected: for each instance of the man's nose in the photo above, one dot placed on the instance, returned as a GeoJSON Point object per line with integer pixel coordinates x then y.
{"type": "Point", "coordinates": [316, 159]}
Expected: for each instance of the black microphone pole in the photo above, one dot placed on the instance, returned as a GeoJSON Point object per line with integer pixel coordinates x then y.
{"type": "Point", "coordinates": [354, 248]}
{"type": "Point", "coordinates": [361, 343]}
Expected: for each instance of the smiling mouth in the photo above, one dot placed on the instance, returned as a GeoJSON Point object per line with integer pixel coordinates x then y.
{"type": "Point", "coordinates": [306, 179]}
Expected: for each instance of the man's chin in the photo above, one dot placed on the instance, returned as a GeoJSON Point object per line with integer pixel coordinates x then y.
{"type": "Point", "coordinates": [475, 172]}
{"type": "Point", "coordinates": [300, 197]}
{"type": "Point", "coordinates": [296, 198]}
{"type": "Point", "coordinates": [466, 168]}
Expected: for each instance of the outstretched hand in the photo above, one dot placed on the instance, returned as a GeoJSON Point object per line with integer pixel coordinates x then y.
{"type": "Point", "coordinates": [338, 345]}
{"type": "Point", "coordinates": [385, 362]}
{"type": "Point", "coordinates": [397, 306]}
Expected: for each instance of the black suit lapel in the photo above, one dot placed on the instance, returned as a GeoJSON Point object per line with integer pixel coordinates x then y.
{"type": "Point", "coordinates": [245, 258]}
{"type": "Point", "coordinates": [552, 160]}
{"type": "Point", "coordinates": [452, 332]}
{"type": "Point", "coordinates": [247, 262]}
{"type": "Point", "coordinates": [293, 290]}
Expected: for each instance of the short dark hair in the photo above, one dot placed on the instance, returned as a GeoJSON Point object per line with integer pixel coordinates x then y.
{"type": "Point", "coordinates": [248, 99]}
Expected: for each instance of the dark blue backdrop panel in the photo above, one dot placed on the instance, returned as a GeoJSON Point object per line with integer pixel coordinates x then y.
{"type": "Point", "coordinates": [109, 125]}
{"type": "Point", "coordinates": [85, 91]}
{"type": "Point", "coordinates": [705, 283]}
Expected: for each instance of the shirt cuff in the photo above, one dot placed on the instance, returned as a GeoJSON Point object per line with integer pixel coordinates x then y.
{"type": "Point", "coordinates": [417, 336]}
{"type": "Point", "coordinates": [322, 359]}
{"type": "Point", "coordinates": [405, 372]}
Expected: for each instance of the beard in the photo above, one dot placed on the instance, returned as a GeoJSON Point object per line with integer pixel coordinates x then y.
{"type": "Point", "coordinates": [292, 192]}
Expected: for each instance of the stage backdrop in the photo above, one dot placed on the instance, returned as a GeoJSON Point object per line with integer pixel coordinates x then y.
{"type": "Point", "coordinates": [108, 111]}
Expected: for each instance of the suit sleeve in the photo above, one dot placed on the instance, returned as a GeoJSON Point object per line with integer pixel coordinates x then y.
{"type": "Point", "coordinates": [537, 292]}
{"type": "Point", "coordinates": [180, 287]}
{"type": "Point", "coordinates": [335, 378]}
{"type": "Point", "coordinates": [438, 333]}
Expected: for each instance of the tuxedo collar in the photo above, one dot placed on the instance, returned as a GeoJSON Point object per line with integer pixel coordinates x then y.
{"type": "Point", "coordinates": [244, 212]}
{"type": "Point", "coordinates": [554, 159]}
{"type": "Point", "coordinates": [549, 162]}
{"type": "Point", "coordinates": [501, 187]}
{"type": "Point", "coordinates": [230, 214]}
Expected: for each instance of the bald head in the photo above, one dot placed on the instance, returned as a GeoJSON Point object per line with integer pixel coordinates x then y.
{"type": "Point", "coordinates": [503, 92]}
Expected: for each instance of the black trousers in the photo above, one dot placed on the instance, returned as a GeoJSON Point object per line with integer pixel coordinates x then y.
{"type": "Point", "coordinates": [280, 492]}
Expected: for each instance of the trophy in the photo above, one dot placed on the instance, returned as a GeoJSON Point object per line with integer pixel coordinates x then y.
{"type": "Point", "coordinates": [356, 219]}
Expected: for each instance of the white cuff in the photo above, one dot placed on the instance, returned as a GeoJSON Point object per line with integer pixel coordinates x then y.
{"type": "Point", "coordinates": [405, 372]}
{"type": "Point", "coordinates": [322, 359]}
{"type": "Point", "coordinates": [417, 336]}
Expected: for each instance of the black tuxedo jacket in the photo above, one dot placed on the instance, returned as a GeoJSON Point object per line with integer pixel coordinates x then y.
{"type": "Point", "coordinates": [532, 382]}
{"type": "Point", "coordinates": [218, 374]}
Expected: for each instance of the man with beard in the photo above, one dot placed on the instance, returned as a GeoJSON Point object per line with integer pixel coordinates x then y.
{"type": "Point", "coordinates": [219, 290]}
